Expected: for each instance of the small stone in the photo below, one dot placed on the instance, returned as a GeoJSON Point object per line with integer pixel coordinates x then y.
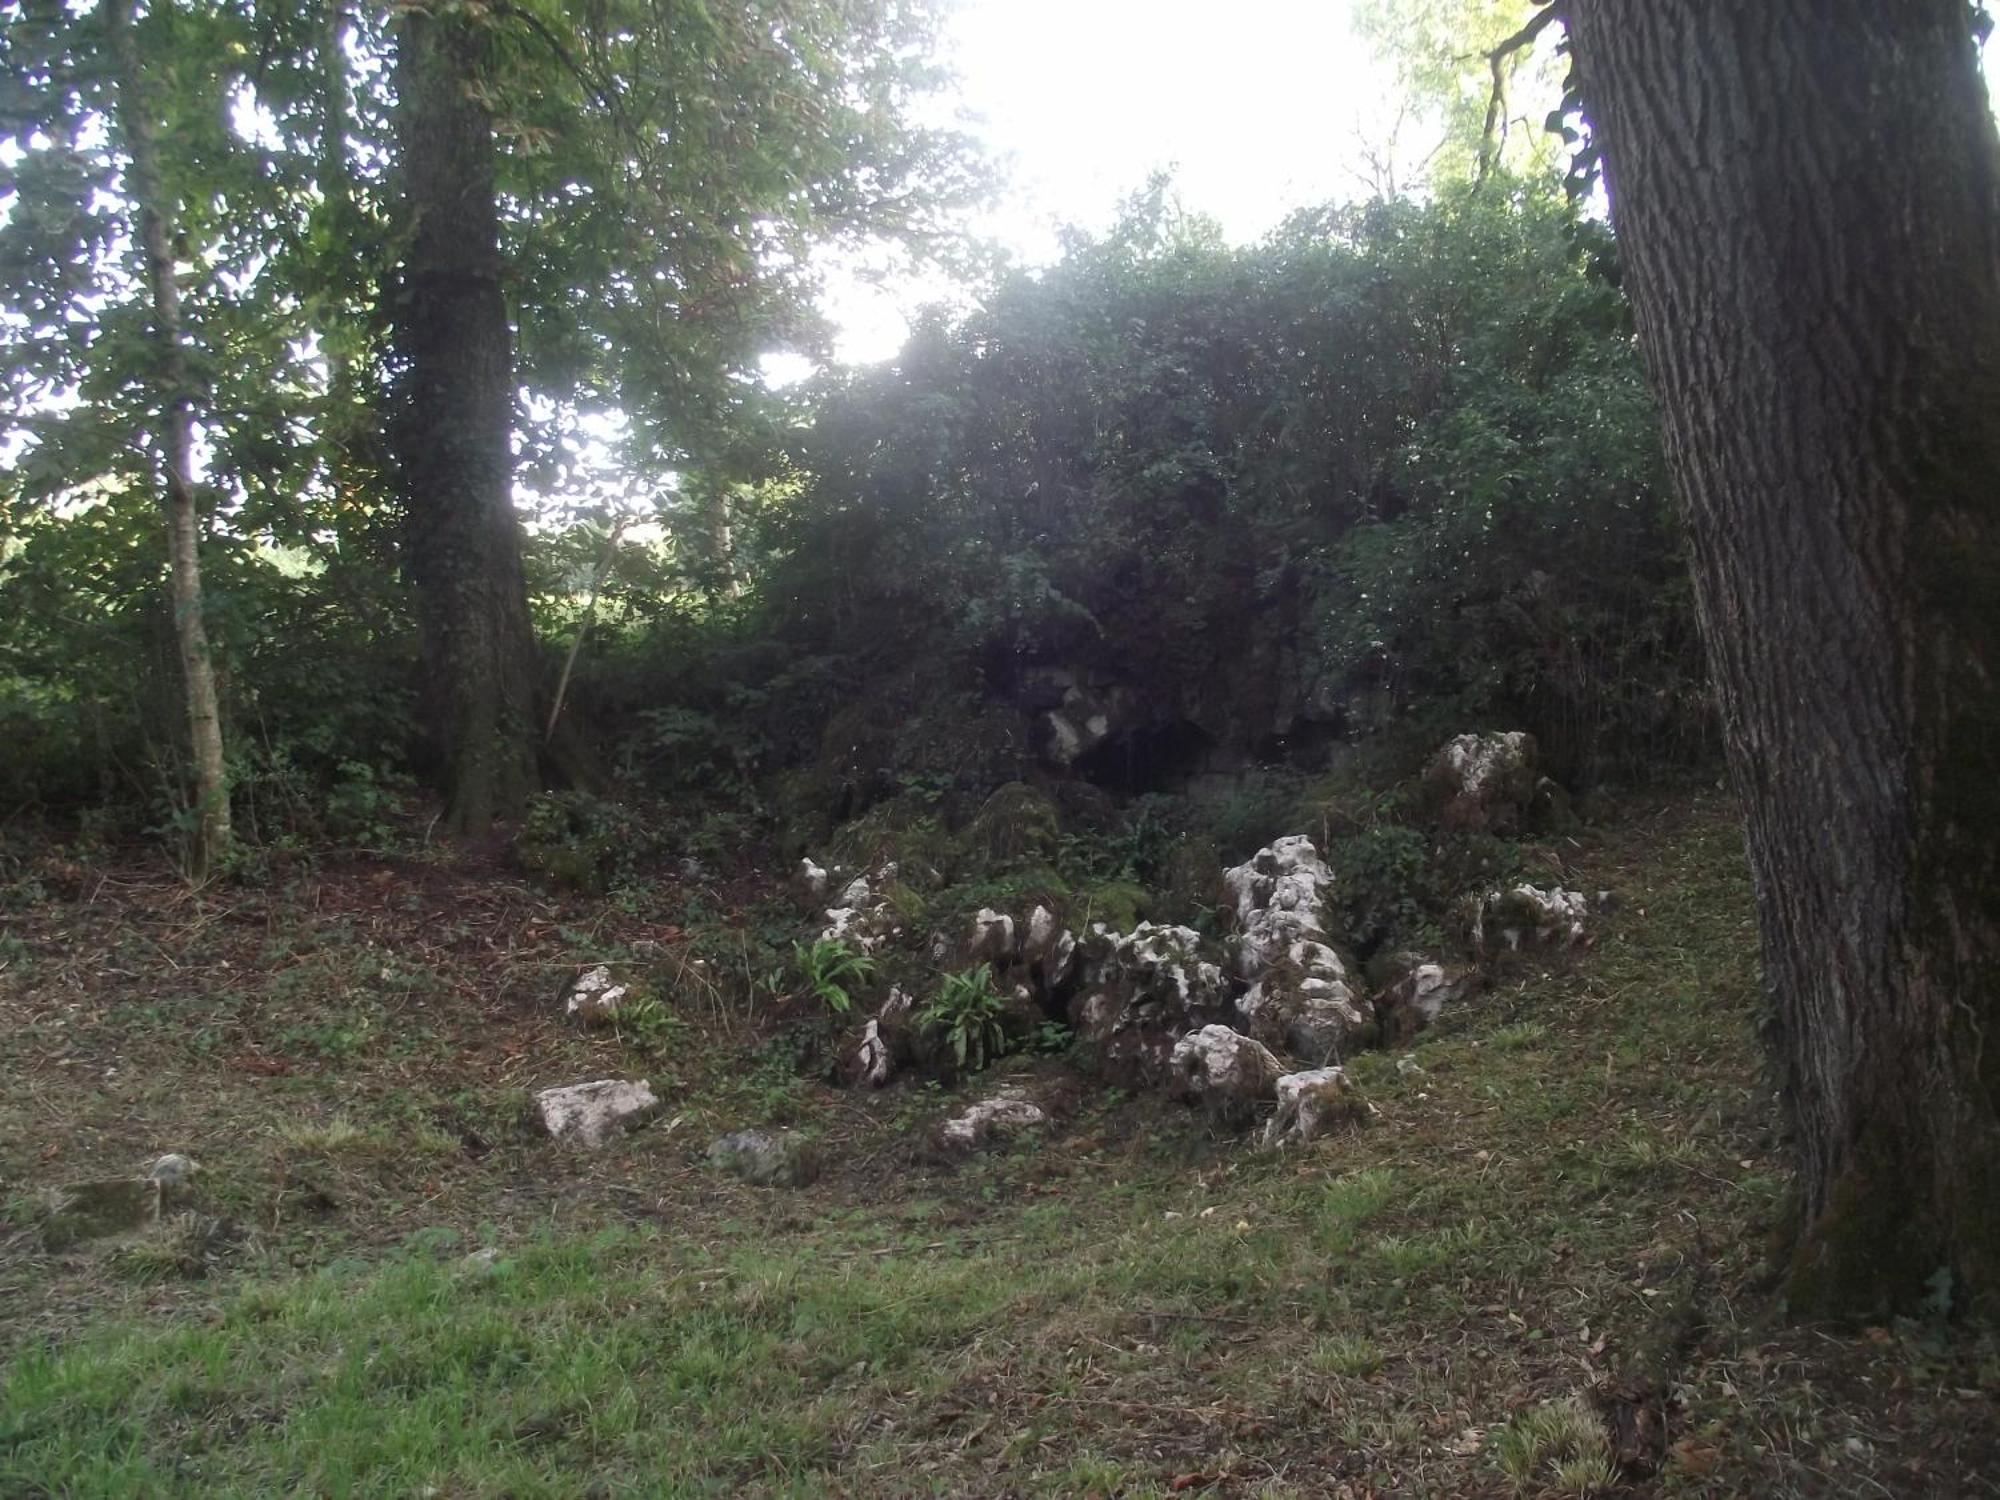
{"type": "Point", "coordinates": [1311, 1104]}
{"type": "Point", "coordinates": [764, 1158]}
{"type": "Point", "coordinates": [173, 1170]}
{"type": "Point", "coordinates": [992, 937]}
{"type": "Point", "coordinates": [594, 997]}
{"type": "Point", "coordinates": [589, 1114]}
{"type": "Point", "coordinates": [1001, 1115]}
{"type": "Point", "coordinates": [872, 1062]}
{"type": "Point", "coordinates": [1419, 997]}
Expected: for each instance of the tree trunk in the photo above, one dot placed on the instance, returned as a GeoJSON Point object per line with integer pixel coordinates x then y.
{"type": "Point", "coordinates": [1805, 194]}
{"type": "Point", "coordinates": [454, 432]}
{"type": "Point", "coordinates": [153, 236]}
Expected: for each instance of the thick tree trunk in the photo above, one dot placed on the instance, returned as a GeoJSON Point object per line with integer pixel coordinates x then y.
{"type": "Point", "coordinates": [153, 235]}
{"type": "Point", "coordinates": [454, 433]}
{"type": "Point", "coordinates": [1805, 194]}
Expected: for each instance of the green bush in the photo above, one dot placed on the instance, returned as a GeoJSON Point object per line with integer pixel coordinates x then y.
{"type": "Point", "coordinates": [830, 970]}
{"type": "Point", "coordinates": [967, 1016]}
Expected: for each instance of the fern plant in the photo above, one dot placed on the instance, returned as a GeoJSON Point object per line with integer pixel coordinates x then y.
{"type": "Point", "coordinates": [968, 1011]}
{"type": "Point", "coordinates": [832, 969]}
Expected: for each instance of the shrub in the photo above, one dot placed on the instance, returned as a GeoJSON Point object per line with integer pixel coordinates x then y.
{"type": "Point", "coordinates": [830, 970]}
{"type": "Point", "coordinates": [967, 1016]}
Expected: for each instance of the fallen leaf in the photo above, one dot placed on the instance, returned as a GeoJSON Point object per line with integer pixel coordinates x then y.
{"type": "Point", "coordinates": [1696, 1458]}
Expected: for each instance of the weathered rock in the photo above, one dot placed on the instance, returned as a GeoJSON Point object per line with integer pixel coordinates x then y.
{"type": "Point", "coordinates": [589, 1114]}
{"type": "Point", "coordinates": [1419, 997]}
{"type": "Point", "coordinates": [1307, 1005]}
{"type": "Point", "coordinates": [173, 1171]}
{"type": "Point", "coordinates": [1530, 916]}
{"type": "Point", "coordinates": [1311, 1104]}
{"type": "Point", "coordinates": [98, 1210]}
{"type": "Point", "coordinates": [1483, 781]}
{"type": "Point", "coordinates": [886, 1044]}
{"type": "Point", "coordinates": [869, 1059]}
{"type": "Point", "coordinates": [858, 917]}
{"type": "Point", "coordinates": [764, 1158]}
{"type": "Point", "coordinates": [594, 997]}
{"type": "Point", "coordinates": [1280, 896]}
{"type": "Point", "coordinates": [862, 927]}
{"type": "Point", "coordinates": [1142, 992]}
{"type": "Point", "coordinates": [992, 939]}
{"type": "Point", "coordinates": [814, 878]}
{"type": "Point", "coordinates": [1049, 948]}
{"type": "Point", "coordinates": [1227, 1071]}
{"type": "Point", "coordinates": [1083, 721]}
{"type": "Point", "coordinates": [979, 1125]}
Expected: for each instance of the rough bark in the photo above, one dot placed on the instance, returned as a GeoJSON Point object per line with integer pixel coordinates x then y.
{"type": "Point", "coordinates": [454, 347]}
{"type": "Point", "coordinates": [152, 233]}
{"type": "Point", "coordinates": [1805, 195]}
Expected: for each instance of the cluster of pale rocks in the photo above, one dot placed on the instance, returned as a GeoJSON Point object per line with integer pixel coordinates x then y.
{"type": "Point", "coordinates": [1256, 1027]}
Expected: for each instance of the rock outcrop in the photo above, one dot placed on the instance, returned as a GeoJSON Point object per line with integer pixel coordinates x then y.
{"type": "Point", "coordinates": [860, 915]}
{"type": "Point", "coordinates": [1142, 992]}
{"type": "Point", "coordinates": [1530, 916]}
{"type": "Point", "coordinates": [1279, 895]}
{"type": "Point", "coordinates": [1227, 1072]}
{"type": "Point", "coordinates": [1484, 781]}
{"type": "Point", "coordinates": [1306, 1004]}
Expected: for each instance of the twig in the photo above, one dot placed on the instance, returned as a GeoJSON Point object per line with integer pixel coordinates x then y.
{"type": "Point", "coordinates": [1496, 101]}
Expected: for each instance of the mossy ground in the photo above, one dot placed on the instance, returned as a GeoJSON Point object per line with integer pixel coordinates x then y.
{"type": "Point", "coordinates": [1578, 1177]}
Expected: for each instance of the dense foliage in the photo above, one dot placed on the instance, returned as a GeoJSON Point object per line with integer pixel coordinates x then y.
{"type": "Point", "coordinates": [1395, 464]}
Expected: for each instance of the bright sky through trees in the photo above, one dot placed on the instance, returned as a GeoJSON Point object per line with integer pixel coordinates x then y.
{"type": "Point", "coordinates": [1258, 107]}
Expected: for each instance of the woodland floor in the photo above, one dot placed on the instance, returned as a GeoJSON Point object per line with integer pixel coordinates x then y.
{"type": "Point", "coordinates": [1579, 1179]}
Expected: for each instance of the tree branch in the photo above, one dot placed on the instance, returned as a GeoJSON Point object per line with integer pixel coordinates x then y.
{"type": "Point", "coordinates": [1496, 101]}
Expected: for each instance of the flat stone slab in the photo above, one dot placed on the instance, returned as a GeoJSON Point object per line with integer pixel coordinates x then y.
{"type": "Point", "coordinates": [766, 1158]}
{"type": "Point", "coordinates": [983, 1122]}
{"type": "Point", "coordinates": [589, 1114]}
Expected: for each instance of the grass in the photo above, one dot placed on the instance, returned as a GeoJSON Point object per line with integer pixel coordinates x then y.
{"type": "Point", "coordinates": [1558, 1446]}
{"type": "Point", "coordinates": [1583, 1158]}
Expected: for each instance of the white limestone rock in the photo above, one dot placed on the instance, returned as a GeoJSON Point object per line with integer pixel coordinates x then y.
{"type": "Point", "coordinates": [1227, 1071]}
{"type": "Point", "coordinates": [1141, 992]}
{"type": "Point", "coordinates": [594, 997]}
{"type": "Point", "coordinates": [1312, 1104]}
{"type": "Point", "coordinates": [1530, 916]}
{"type": "Point", "coordinates": [1484, 780]}
{"type": "Point", "coordinates": [1280, 895]}
{"type": "Point", "coordinates": [875, 1065]}
{"type": "Point", "coordinates": [979, 1125]}
{"type": "Point", "coordinates": [589, 1114]}
{"type": "Point", "coordinates": [992, 939]}
{"type": "Point", "coordinates": [1415, 1000]}
{"type": "Point", "coordinates": [1308, 1006]}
